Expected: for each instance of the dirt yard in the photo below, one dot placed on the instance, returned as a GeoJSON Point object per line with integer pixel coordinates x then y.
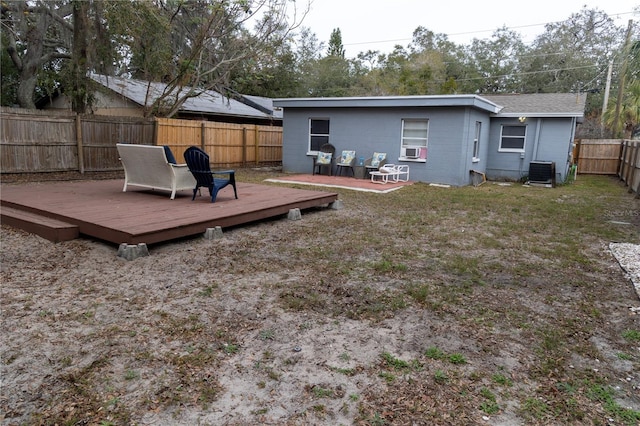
{"type": "Point", "coordinates": [496, 305]}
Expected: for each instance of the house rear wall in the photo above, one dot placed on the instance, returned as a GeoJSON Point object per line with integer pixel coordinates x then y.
{"type": "Point", "coordinates": [369, 130]}
{"type": "Point", "coordinates": [547, 139]}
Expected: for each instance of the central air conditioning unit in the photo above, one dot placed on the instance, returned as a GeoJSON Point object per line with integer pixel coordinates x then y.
{"type": "Point", "coordinates": [542, 173]}
{"type": "Point", "coordinates": [412, 152]}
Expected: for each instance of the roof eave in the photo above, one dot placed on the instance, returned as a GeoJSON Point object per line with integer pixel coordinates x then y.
{"type": "Point", "coordinates": [538, 115]}
{"type": "Point", "coordinates": [390, 102]}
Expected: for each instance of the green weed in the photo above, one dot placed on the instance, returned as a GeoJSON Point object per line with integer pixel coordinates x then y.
{"type": "Point", "coordinates": [394, 362]}
{"type": "Point", "coordinates": [457, 359]}
{"type": "Point", "coordinates": [440, 376]}
{"type": "Point", "coordinates": [434, 353]}
{"type": "Point", "coordinates": [267, 334]}
{"type": "Point", "coordinates": [632, 335]}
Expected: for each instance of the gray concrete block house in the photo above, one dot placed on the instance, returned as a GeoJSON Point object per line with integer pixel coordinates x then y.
{"type": "Point", "coordinates": [442, 138]}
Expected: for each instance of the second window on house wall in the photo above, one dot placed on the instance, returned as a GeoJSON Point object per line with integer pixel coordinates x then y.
{"type": "Point", "coordinates": [512, 138]}
{"type": "Point", "coordinates": [318, 133]}
{"type": "Point", "coordinates": [415, 137]}
{"type": "Point", "coordinates": [476, 142]}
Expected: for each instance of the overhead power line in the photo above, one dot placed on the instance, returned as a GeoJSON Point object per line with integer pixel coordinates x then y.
{"type": "Point", "coordinates": [471, 32]}
{"type": "Point", "coordinates": [525, 73]}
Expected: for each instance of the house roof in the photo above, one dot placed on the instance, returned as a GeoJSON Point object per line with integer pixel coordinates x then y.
{"type": "Point", "coordinates": [391, 102]}
{"type": "Point", "coordinates": [209, 102]}
{"type": "Point", "coordinates": [540, 104]}
{"type": "Point", "coordinates": [511, 105]}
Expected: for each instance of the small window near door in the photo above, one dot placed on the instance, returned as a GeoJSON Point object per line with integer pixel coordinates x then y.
{"type": "Point", "coordinates": [476, 142]}
{"type": "Point", "coordinates": [512, 138]}
{"type": "Point", "coordinates": [318, 133]}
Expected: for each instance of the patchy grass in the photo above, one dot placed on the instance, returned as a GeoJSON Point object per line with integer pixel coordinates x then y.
{"type": "Point", "coordinates": [424, 305]}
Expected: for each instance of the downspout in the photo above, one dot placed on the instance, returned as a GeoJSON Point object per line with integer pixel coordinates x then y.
{"type": "Point", "coordinates": [536, 140]}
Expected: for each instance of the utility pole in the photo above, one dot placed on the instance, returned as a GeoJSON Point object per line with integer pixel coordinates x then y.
{"type": "Point", "coordinates": [607, 88]}
{"type": "Point", "coordinates": [623, 74]}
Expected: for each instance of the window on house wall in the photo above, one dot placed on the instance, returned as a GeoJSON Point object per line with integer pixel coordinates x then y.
{"type": "Point", "coordinates": [512, 138]}
{"type": "Point", "coordinates": [318, 133]}
{"type": "Point", "coordinates": [415, 135]}
{"type": "Point", "coordinates": [476, 142]}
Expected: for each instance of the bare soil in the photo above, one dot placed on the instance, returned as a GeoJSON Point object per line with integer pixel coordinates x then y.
{"type": "Point", "coordinates": [426, 306]}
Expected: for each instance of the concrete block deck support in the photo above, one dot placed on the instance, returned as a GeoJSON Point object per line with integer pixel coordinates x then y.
{"type": "Point", "coordinates": [213, 233]}
{"type": "Point", "coordinates": [294, 214]}
{"type": "Point", "coordinates": [132, 251]}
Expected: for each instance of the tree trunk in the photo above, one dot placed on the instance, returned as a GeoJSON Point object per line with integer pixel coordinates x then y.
{"type": "Point", "coordinates": [26, 88]}
{"type": "Point", "coordinates": [30, 63]}
{"type": "Point", "coordinates": [80, 92]}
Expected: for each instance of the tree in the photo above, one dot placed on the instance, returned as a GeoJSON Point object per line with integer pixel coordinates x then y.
{"type": "Point", "coordinates": [35, 34]}
{"type": "Point", "coordinates": [335, 44]}
{"type": "Point", "coordinates": [572, 55]}
{"type": "Point", "coordinates": [629, 114]}
{"type": "Point", "coordinates": [496, 61]}
{"type": "Point", "coordinates": [10, 77]}
{"type": "Point", "coordinates": [622, 116]}
{"type": "Point", "coordinates": [442, 57]}
{"type": "Point", "coordinates": [209, 41]}
{"type": "Point", "coordinates": [192, 46]}
{"type": "Point", "coordinates": [53, 44]}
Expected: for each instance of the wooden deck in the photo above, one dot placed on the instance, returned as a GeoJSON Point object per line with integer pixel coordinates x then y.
{"type": "Point", "coordinates": [99, 209]}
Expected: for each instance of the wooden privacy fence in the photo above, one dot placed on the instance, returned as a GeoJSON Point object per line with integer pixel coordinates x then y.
{"type": "Point", "coordinates": [227, 144]}
{"type": "Point", "coordinates": [629, 170]}
{"type": "Point", "coordinates": [598, 156]}
{"type": "Point", "coordinates": [45, 141]}
{"type": "Point", "coordinates": [610, 157]}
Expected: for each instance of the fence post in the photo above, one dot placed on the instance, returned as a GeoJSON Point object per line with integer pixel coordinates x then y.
{"type": "Point", "coordinates": [633, 162]}
{"type": "Point", "coordinates": [79, 143]}
{"type": "Point", "coordinates": [156, 124]}
{"type": "Point", "coordinates": [244, 146]}
{"type": "Point", "coordinates": [256, 137]}
{"type": "Point", "coordinates": [203, 138]}
{"type": "Point", "coordinates": [576, 154]}
{"type": "Point", "coordinates": [623, 154]}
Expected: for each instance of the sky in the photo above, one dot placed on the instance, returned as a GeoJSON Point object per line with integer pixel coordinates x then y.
{"type": "Point", "coordinates": [380, 25]}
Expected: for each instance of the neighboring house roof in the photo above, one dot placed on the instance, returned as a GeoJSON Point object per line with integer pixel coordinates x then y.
{"type": "Point", "coordinates": [260, 103]}
{"type": "Point", "coordinates": [540, 104]}
{"type": "Point", "coordinates": [390, 102]}
{"type": "Point", "coordinates": [208, 102]}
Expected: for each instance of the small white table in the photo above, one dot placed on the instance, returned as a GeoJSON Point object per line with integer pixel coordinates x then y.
{"type": "Point", "coordinates": [390, 173]}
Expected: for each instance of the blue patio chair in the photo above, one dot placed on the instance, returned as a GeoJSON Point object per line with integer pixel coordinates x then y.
{"type": "Point", "coordinates": [198, 162]}
{"type": "Point", "coordinates": [374, 163]}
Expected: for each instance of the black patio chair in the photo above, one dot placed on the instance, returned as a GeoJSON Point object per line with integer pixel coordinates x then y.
{"type": "Point", "coordinates": [324, 159]}
{"type": "Point", "coordinates": [198, 162]}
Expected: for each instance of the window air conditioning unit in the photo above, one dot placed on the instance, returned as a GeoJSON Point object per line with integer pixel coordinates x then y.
{"type": "Point", "coordinates": [542, 172]}
{"type": "Point", "coordinates": [412, 152]}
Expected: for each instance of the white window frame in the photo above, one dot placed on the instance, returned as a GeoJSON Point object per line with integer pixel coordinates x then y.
{"type": "Point", "coordinates": [503, 137]}
{"type": "Point", "coordinates": [413, 141]}
{"type": "Point", "coordinates": [476, 142]}
{"type": "Point", "coordinates": [311, 135]}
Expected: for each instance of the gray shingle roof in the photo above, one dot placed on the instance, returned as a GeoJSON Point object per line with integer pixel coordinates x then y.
{"type": "Point", "coordinates": [208, 102]}
{"type": "Point", "coordinates": [540, 104]}
{"type": "Point", "coordinates": [518, 105]}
